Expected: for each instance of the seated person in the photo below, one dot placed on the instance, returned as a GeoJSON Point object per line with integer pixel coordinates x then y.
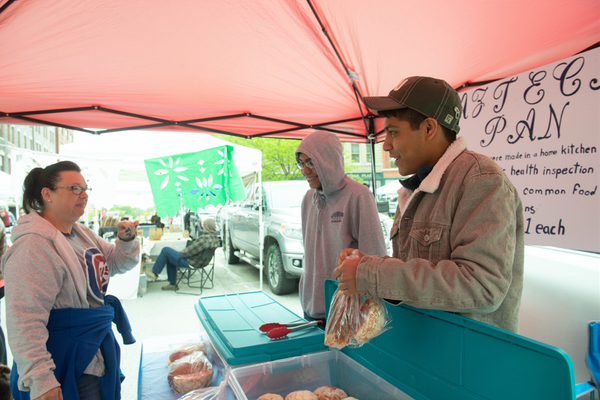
{"type": "Point", "coordinates": [156, 220]}
{"type": "Point", "coordinates": [5, 216]}
{"type": "Point", "coordinates": [192, 254]}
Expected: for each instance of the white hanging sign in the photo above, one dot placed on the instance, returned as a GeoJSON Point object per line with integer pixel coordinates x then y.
{"type": "Point", "coordinates": [543, 128]}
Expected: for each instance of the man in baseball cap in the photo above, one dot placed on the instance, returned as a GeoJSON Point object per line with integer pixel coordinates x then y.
{"type": "Point", "coordinates": [458, 234]}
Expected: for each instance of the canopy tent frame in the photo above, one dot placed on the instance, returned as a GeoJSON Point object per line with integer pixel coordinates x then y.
{"type": "Point", "coordinates": [162, 123]}
{"type": "Point", "coordinates": [317, 13]}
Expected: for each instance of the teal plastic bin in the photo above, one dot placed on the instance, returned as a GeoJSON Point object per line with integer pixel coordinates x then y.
{"type": "Point", "coordinates": [232, 322]}
{"type": "Point", "coordinates": [432, 354]}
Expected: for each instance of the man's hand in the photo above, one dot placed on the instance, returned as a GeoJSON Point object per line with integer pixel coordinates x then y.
{"type": "Point", "coordinates": [126, 230]}
{"type": "Point", "coordinates": [54, 394]}
{"type": "Point", "coordinates": [346, 271]}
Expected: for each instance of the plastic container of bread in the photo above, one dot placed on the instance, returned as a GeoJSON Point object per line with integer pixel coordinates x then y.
{"type": "Point", "coordinates": [309, 372]}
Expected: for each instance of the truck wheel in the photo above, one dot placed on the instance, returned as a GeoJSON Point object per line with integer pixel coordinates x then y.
{"type": "Point", "coordinates": [278, 281]}
{"type": "Point", "coordinates": [230, 257]}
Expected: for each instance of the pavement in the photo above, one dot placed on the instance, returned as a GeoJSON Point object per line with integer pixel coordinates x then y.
{"type": "Point", "coordinates": [164, 313]}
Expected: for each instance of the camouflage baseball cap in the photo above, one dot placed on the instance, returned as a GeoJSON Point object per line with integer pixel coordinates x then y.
{"type": "Point", "coordinates": [432, 97]}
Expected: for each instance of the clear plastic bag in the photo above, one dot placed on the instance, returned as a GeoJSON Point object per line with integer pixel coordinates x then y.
{"type": "Point", "coordinates": [352, 322]}
{"type": "Point", "coordinates": [185, 349]}
{"type": "Point", "coordinates": [374, 320]}
{"type": "Point", "coordinates": [190, 372]}
{"type": "Point", "coordinates": [343, 320]}
{"type": "Point", "coordinates": [209, 393]}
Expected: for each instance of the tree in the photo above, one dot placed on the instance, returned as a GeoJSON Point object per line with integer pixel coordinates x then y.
{"type": "Point", "coordinates": [134, 212]}
{"type": "Point", "coordinates": [278, 156]}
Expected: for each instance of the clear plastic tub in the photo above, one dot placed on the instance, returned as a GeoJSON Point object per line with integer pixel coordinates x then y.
{"type": "Point", "coordinates": [309, 372]}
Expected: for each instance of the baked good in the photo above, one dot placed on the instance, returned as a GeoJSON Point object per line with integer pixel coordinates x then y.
{"type": "Point", "coordinates": [270, 396]}
{"type": "Point", "coordinates": [185, 350]}
{"type": "Point", "coordinates": [330, 393]}
{"type": "Point", "coordinates": [341, 322]}
{"type": "Point", "coordinates": [189, 382]}
{"type": "Point", "coordinates": [301, 395]}
{"type": "Point", "coordinates": [372, 320]}
{"type": "Point", "coordinates": [190, 372]}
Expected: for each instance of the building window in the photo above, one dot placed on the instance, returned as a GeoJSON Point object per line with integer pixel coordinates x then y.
{"type": "Point", "coordinates": [355, 151]}
{"type": "Point", "coordinates": [369, 157]}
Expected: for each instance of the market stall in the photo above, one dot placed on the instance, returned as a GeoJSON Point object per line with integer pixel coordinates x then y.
{"type": "Point", "coordinates": [425, 355]}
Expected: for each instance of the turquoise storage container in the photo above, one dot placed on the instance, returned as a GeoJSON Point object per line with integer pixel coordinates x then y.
{"type": "Point", "coordinates": [432, 354]}
{"type": "Point", "coordinates": [232, 322]}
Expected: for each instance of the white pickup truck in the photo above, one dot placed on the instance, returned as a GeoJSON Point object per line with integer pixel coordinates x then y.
{"type": "Point", "coordinates": [283, 252]}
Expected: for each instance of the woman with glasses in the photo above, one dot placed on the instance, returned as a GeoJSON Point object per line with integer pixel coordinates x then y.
{"type": "Point", "coordinates": [56, 273]}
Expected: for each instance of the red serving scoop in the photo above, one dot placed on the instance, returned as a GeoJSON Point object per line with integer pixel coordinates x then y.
{"type": "Point", "coordinates": [265, 328]}
{"type": "Point", "coordinates": [281, 332]}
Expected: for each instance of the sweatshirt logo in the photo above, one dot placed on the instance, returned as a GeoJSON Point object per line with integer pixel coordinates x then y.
{"type": "Point", "coordinates": [97, 271]}
{"type": "Point", "coordinates": [337, 217]}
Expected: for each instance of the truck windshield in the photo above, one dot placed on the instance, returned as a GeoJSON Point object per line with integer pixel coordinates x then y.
{"type": "Point", "coordinates": [287, 196]}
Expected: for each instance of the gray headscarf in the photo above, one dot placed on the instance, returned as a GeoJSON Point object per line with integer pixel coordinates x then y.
{"type": "Point", "coordinates": [209, 226]}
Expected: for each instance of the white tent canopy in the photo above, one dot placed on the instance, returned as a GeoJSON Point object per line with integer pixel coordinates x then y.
{"type": "Point", "coordinates": [389, 188]}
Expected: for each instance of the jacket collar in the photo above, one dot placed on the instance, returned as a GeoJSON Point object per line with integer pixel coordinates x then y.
{"type": "Point", "coordinates": [431, 183]}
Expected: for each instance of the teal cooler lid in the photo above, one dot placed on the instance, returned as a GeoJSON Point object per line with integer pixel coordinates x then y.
{"type": "Point", "coordinates": [431, 354]}
{"type": "Point", "coordinates": [233, 321]}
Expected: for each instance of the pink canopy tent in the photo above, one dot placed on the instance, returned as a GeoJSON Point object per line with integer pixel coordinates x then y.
{"type": "Point", "coordinates": [263, 67]}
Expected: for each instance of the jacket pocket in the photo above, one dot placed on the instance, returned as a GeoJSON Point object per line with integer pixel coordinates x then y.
{"type": "Point", "coordinates": [427, 243]}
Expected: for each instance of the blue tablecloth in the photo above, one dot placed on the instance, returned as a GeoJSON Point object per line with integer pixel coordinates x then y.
{"type": "Point", "coordinates": [152, 380]}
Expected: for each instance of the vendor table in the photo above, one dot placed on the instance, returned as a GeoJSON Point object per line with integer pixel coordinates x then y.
{"type": "Point", "coordinates": [106, 229]}
{"type": "Point", "coordinates": [152, 383]}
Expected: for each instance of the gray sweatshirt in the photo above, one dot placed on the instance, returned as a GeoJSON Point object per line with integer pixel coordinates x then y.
{"type": "Point", "coordinates": [340, 215]}
{"type": "Point", "coordinates": [42, 272]}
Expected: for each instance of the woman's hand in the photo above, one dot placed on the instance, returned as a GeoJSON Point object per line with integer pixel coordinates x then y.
{"type": "Point", "coordinates": [54, 394]}
{"type": "Point", "coordinates": [126, 230]}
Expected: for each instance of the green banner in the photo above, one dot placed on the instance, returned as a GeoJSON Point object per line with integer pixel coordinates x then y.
{"type": "Point", "coordinates": [196, 179]}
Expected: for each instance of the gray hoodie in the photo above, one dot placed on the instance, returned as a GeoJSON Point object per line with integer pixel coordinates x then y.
{"type": "Point", "coordinates": [42, 272]}
{"type": "Point", "coordinates": [340, 215]}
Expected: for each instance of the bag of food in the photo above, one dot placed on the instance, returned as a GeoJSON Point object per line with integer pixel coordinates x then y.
{"type": "Point", "coordinates": [190, 372]}
{"type": "Point", "coordinates": [209, 393]}
{"type": "Point", "coordinates": [185, 349]}
{"type": "Point", "coordinates": [352, 322]}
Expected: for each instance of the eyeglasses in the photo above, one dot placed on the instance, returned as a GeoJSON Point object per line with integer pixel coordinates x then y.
{"type": "Point", "coordinates": [75, 189]}
{"type": "Point", "coordinates": [308, 164]}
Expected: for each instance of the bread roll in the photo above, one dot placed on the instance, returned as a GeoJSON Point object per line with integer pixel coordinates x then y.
{"type": "Point", "coordinates": [302, 395]}
{"type": "Point", "coordinates": [270, 396]}
{"type": "Point", "coordinates": [189, 382]}
{"type": "Point", "coordinates": [330, 393]}
{"type": "Point", "coordinates": [372, 320]}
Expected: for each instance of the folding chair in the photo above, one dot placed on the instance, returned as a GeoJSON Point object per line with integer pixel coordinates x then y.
{"type": "Point", "coordinates": [205, 268]}
{"type": "Point", "coordinates": [592, 361]}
